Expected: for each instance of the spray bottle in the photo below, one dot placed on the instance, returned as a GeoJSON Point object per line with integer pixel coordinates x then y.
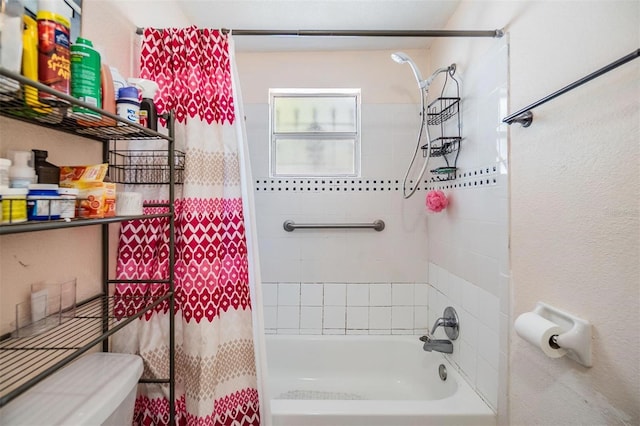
{"type": "Point", "coordinates": [148, 113]}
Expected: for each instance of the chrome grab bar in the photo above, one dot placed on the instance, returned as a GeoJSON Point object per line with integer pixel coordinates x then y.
{"type": "Point", "coordinates": [290, 225]}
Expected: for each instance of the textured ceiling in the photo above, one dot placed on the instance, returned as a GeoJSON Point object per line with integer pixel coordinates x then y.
{"type": "Point", "coordinates": [305, 15]}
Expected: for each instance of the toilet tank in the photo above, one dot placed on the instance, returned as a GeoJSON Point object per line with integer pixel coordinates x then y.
{"type": "Point", "coordinates": [97, 389]}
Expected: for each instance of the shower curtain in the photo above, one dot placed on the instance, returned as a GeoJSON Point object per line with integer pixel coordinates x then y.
{"type": "Point", "coordinates": [216, 274]}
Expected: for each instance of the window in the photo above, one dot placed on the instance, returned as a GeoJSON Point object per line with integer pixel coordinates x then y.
{"type": "Point", "coordinates": [315, 132]}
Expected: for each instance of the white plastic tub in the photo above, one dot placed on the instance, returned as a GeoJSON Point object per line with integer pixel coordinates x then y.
{"type": "Point", "coordinates": [366, 381]}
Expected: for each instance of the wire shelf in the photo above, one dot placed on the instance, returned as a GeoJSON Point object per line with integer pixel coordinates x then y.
{"type": "Point", "coordinates": [441, 110]}
{"type": "Point", "coordinates": [145, 167]}
{"type": "Point", "coordinates": [20, 99]}
{"type": "Point", "coordinates": [442, 146]}
{"type": "Point", "coordinates": [24, 361]}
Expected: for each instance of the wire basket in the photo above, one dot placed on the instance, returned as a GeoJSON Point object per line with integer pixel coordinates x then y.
{"type": "Point", "coordinates": [441, 109]}
{"type": "Point", "coordinates": [145, 167]}
{"type": "Point", "coordinates": [442, 146]}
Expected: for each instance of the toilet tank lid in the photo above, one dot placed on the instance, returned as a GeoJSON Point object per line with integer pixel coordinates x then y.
{"type": "Point", "coordinates": [85, 392]}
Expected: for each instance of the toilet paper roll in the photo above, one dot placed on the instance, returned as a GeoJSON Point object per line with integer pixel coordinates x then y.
{"type": "Point", "coordinates": [128, 203]}
{"type": "Point", "coordinates": [538, 330]}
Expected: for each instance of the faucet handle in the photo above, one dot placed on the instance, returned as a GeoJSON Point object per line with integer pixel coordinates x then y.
{"type": "Point", "coordinates": [449, 321]}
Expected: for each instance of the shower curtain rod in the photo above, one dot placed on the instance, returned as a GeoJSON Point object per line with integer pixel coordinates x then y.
{"type": "Point", "coordinates": [361, 33]}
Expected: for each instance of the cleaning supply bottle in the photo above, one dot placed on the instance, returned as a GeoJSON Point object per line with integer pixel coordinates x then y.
{"type": "Point", "coordinates": [85, 76]}
{"type": "Point", "coordinates": [46, 172]}
{"type": "Point", "coordinates": [148, 113]}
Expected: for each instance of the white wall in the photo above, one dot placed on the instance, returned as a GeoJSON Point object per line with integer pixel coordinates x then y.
{"type": "Point", "coordinates": [340, 267]}
{"type": "Point", "coordinates": [574, 190]}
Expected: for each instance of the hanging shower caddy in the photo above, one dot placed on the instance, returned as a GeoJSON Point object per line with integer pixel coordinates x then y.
{"type": "Point", "coordinates": [443, 114]}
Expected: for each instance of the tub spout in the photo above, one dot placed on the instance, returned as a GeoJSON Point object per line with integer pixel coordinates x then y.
{"type": "Point", "coordinates": [439, 345]}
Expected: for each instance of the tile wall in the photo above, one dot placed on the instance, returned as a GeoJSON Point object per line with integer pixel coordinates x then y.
{"type": "Point", "coordinates": [346, 308]}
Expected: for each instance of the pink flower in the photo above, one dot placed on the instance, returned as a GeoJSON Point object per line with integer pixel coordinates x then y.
{"type": "Point", "coordinates": [436, 201]}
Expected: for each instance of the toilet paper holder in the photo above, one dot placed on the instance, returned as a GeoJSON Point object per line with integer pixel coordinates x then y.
{"type": "Point", "coordinates": [576, 338]}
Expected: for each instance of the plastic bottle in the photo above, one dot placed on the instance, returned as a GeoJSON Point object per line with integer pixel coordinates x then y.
{"type": "Point", "coordinates": [85, 76]}
{"type": "Point", "coordinates": [54, 26]}
{"type": "Point", "coordinates": [148, 113]}
{"type": "Point", "coordinates": [10, 42]}
{"type": "Point", "coordinates": [118, 80]}
{"type": "Point", "coordinates": [46, 172]}
{"type": "Point", "coordinates": [21, 174]}
{"type": "Point", "coordinates": [5, 163]}
{"type": "Point", "coordinates": [127, 105]}
{"type": "Point", "coordinates": [108, 99]}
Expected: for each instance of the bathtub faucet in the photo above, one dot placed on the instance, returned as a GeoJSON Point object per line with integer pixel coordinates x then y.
{"type": "Point", "coordinates": [439, 345]}
{"type": "Point", "coordinates": [449, 321]}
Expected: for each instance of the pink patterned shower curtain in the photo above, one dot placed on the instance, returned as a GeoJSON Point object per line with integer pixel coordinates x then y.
{"type": "Point", "coordinates": [216, 380]}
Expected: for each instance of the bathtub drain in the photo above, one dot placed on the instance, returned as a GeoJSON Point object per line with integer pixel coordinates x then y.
{"type": "Point", "coordinates": [442, 371]}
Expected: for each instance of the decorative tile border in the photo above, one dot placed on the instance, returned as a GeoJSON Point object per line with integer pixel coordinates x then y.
{"type": "Point", "coordinates": [465, 178]}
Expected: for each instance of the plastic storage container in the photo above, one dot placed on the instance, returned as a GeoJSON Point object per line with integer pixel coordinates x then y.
{"type": "Point", "coordinates": [68, 198]}
{"type": "Point", "coordinates": [14, 205]}
{"type": "Point", "coordinates": [43, 202]}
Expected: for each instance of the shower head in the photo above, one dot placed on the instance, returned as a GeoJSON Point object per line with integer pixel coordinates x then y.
{"type": "Point", "coordinates": [401, 58]}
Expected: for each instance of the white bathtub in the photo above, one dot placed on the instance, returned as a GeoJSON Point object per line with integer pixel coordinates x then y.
{"type": "Point", "coordinates": [366, 381]}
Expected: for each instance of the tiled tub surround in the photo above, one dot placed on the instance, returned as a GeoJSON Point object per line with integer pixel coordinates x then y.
{"type": "Point", "coordinates": [351, 308]}
{"type": "Point", "coordinates": [396, 308]}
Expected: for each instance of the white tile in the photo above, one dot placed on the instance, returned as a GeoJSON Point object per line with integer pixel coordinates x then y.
{"type": "Point", "coordinates": [334, 317]}
{"type": "Point", "coordinates": [488, 345]}
{"type": "Point", "coordinates": [421, 318]}
{"type": "Point", "coordinates": [402, 294]}
{"type": "Point", "coordinates": [470, 298]}
{"type": "Point", "coordinates": [380, 332]}
{"type": "Point", "coordinates": [455, 289]}
{"type": "Point", "coordinates": [421, 294]}
{"type": "Point", "coordinates": [311, 317]}
{"type": "Point", "coordinates": [288, 331]}
{"type": "Point", "coordinates": [333, 331]}
{"type": "Point", "coordinates": [468, 361]}
{"type": "Point", "coordinates": [468, 327]}
{"type": "Point", "coordinates": [288, 294]}
{"type": "Point", "coordinates": [354, 331]}
{"type": "Point", "coordinates": [401, 317]}
{"type": "Point", "coordinates": [270, 317]}
{"type": "Point", "coordinates": [270, 294]}
{"type": "Point", "coordinates": [489, 309]}
{"type": "Point", "coordinates": [311, 331]}
{"type": "Point", "coordinates": [380, 318]}
{"type": "Point", "coordinates": [288, 317]}
{"type": "Point", "coordinates": [357, 294]}
{"type": "Point", "coordinates": [357, 317]}
{"type": "Point", "coordinates": [380, 294]}
{"type": "Point", "coordinates": [487, 382]}
{"type": "Point", "coordinates": [335, 294]}
{"type": "Point", "coordinates": [311, 294]}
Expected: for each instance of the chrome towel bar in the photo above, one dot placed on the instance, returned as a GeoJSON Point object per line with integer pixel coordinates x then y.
{"type": "Point", "coordinates": [290, 225]}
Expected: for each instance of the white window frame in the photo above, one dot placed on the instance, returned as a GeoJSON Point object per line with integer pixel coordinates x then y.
{"type": "Point", "coordinates": [355, 136]}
